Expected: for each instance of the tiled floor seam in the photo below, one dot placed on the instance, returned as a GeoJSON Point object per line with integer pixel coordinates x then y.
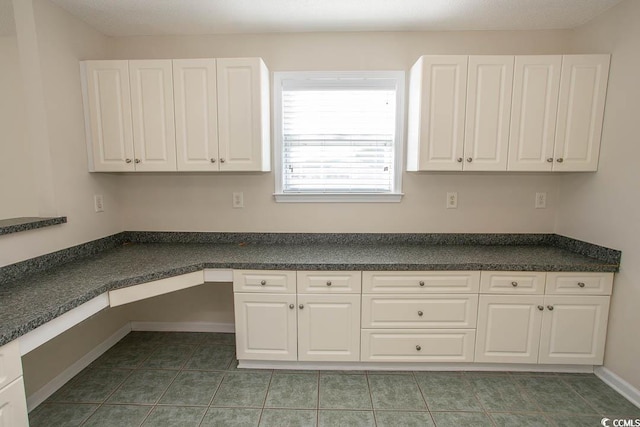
{"type": "Point", "coordinates": [424, 398]}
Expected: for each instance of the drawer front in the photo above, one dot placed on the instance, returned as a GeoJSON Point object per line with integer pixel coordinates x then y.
{"type": "Point", "coordinates": [435, 345]}
{"type": "Point", "coordinates": [264, 281]}
{"type": "Point", "coordinates": [10, 363]}
{"type": "Point", "coordinates": [579, 283]}
{"type": "Point", "coordinates": [329, 282]}
{"type": "Point", "coordinates": [512, 282]}
{"type": "Point", "coordinates": [419, 311]}
{"type": "Point", "coordinates": [446, 282]}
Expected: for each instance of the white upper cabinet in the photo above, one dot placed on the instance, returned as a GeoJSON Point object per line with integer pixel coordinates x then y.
{"type": "Point", "coordinates": [583, 87]}
{"type": "Point", "coordinates": [243, 114]}
{"type": "Point", "coordinates": [536, 84]}
{"type": "Point", "coordinates": [154, 132]}
{"type": "Point", "coordinates": [486, 140]}
{"type": "Point", "coordinates": [196, 111]}
{"type": "Point", "coordinates": [108, 115]}
{"type": "Point", "coordinates": [438, 90]}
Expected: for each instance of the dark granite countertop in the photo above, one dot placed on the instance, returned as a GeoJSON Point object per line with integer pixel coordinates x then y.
{"type": "Point", "coordinates": [15, 225]}
{"type": "Point", "coordinates": [32, 299]}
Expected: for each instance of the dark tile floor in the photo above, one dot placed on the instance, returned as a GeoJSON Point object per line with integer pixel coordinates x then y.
{"type": "Point", "coordinates": [190, 379]}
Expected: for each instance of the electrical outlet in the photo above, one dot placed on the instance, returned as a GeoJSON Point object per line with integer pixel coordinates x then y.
{"type": "Point", "coordinates": [541, 200]}
{"type": "Point", "coordinates": [452, 200]}
{"type": "Point", "coordinates": [238, 200]}
{"type": "Point", "coordinates": [98, 203]}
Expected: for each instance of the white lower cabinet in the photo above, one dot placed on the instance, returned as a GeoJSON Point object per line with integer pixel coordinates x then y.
{"type": "Point", "coordinates": [13, 403]}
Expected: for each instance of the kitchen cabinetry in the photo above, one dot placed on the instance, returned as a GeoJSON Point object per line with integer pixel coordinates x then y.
{"type": "Point", "coordinates": [545, 328]}
{"type": "Point", "coordinates": [218, 121]}
{"type": "Point", "coordinates": [553, 121]}
{"type": "Point", "coordinates": [13, 403]}
{"type": "Point", "coordinates": [316, 324]}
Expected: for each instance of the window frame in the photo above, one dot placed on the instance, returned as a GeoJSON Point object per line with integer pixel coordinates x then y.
{"type": "Point", "coordinates": [398, 149]}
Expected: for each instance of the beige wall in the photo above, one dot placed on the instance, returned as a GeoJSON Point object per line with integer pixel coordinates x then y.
{"type": "Point", "coordinates": [17, 186]}
{"type": "Point", "coordinates": [604, 208]}
{"type": "Point", "coordinates": [61, 41]}
{"type": "Point", "coordinates": [202, 202]}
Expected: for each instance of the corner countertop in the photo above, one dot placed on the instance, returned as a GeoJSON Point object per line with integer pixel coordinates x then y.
{"type": "Point", "coordinates": [32, 299]}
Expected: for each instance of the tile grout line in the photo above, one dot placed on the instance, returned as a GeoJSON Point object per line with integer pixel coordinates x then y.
{"type": "Point", "coordinates": [424, 398]}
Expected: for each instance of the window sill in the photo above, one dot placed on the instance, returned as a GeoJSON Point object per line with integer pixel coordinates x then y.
{"type": "Point", "coordinates": [338, 198]}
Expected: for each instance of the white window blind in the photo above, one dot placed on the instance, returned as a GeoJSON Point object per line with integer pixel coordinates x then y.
{"type": "Point", "coordinates": [339, 135]}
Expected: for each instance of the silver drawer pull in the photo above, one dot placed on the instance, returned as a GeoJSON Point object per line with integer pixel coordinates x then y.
{"type": "Point", "coordinates": [292, 306]}
{"type": "Point", "coordinates": [328, 282]}
{"type": "Point", "coordinates": [420, 313]}
{"type": "Point", "coordinates": [421, 283]}
{"type": "Point", "coordinates": [263, 282]}
{"type": "Point", "coordinates": [581, 284]}
{"type": "Point", "coordinates": [514, 284]}
{"type": "Point", "coordinates": [301, 306]}
{"type": "Point", "coordinates": [541, 307]}
{"type": "Point", "coordinates": [418, 347]}
{"type": "Point", "coordinates": [550, 307]}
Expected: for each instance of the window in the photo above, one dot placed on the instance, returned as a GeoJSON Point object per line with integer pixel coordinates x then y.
{"type": "Point", "coordinates": [338, 136]}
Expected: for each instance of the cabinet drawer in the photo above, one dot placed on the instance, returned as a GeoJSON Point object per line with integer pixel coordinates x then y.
{"type": "Point", "coordinates": [264, 281]}
{"type": "Point", "coordinates": [348, 282]}
{"type": "Point", "coordinates": [10, 363]}
{"type": "Point", "coordinates": [419, 311]}
{"type": "Point", "coordinates": [512, 282]}
{"type": "Point", "coordinates": [579, 283]}
{"type": "Point", "coordinates": [435, 345]}
{"type": "Point", "coordinates": [421, 281]}
{"type": "Point", "coordinates": [13, 405]}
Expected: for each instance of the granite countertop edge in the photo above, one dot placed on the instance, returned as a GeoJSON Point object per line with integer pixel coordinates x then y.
{"type": "Point", "coordinates": [16, 225]}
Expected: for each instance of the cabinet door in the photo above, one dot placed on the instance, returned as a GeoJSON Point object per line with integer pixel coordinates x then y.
{"type": "Point", "coordinates": [536, 84]}
{"type": "Point", "coordinates": [508, 328]}
{"type": "Point", "coordinates": [265, 326]}
{"type": "Point", "coordinates": [107, 99]}
{"type": "Point", "coordinates": [243, 114]}
{"type": "Point", "coordinates": [583, 88]}
{"type": "Point", "coordinates": [329, 327]}
{"type": "Point", "coordinates": [574, 330]}
{"type": "Point", "coordinates": [13, 405]}
{"type": "Point", "coordinates": [488, 111]}
{"type": "Point", "coordinates": [154, 132]}
{"type": "Point", "coordinates": [196, 111]}
{"type": "Point", "coordinates": [438, 89]}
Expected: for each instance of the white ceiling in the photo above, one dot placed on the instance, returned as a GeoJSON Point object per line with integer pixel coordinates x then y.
{"type": "Point", "coordinates": [162, 17]}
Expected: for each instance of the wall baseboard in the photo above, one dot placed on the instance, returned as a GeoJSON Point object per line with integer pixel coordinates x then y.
{"type": "Point", "coordinates": [183, 327]}
{"type": "Point", "coordinates": [54, 385]}
{"type": "Point", "coordinates": [631, 393]}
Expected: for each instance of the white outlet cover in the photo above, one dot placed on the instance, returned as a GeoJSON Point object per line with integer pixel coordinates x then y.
{"type": "Point", "coordinates": [452, 200]}
{"type": "Point", "coordinates": [98, 203]}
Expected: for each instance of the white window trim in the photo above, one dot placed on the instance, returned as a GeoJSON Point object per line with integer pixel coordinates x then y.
{"type": "Point", "coordinates": [396, 196]}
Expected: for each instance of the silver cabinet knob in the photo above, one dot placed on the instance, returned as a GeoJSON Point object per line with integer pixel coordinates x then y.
{"type": "Point", "coordinates": [292, 306]}
{"type": "Point", "coordinates": [540, 307]}
{"type": "Point", "coordinates": [328, 282]}
{"type": "Point", "coordinates": [213, 160]}
{"type": "Point", "coordinates": [459, 159]}
{"type": "Point", "coordinates": [137, 160]}
{"type": "Point", "coordinates": [222, 160]}
{"type": "Point", "coordinates": [550, 307]}
{"type": "Point", "coordinates": [301, 306]}
{"type": "Point", "coordinates": [418, 347]}
{"type": "Point", "coordinates": [263, 282]}
{"type": "Point", "coordinates": [127, 161]}
{"type": "Point", "coordinates": [514, 284]}
{"type": "Point", "coordinates": [550, 159]}
{"type": "Point", "coordinates": [581, 284]}
{"type": "Point", "coordinates": [469, 159]}
{"type": "Point", "coordinates": [560, 160]}
{"type": "Point", "coordinates": [421, 283]}
{"type": "Point", "coordinates": [420, 313]}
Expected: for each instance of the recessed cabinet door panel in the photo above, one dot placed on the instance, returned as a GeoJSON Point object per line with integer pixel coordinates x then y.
{"type": "Point", "coordinates": [508, 329]}
{"type": "Point", "coordinates": [196, 112]}
{"type": "Point", "coordinates": [417, 345]}
{"type": "Point", "coordinates": [512, 282]}
{"type": "Point", "coordinates": [574, 330]}
{"type": "Point", "coordinates": [436, 113]}
{"type": "Point", "coordinates": [243, 106]}
{"type": "Point", "coordinates": [13, 405]}
{"type": "Point", "coordinates": [10, 363]}
{"type": "Point", "coordinates": [447, 282]}
{"type": "Point", "coordinates": [108, 100]}
{"type": "Point", "coordinates": [536, 85]}
{"type": "Point", "coordinates": [154, 132]}
{"type": "Point", "coordinates": [329, 282]}
{"type": "Point", "coordinates": [265, 326]}
{"type": "Point", "coordinates": [488, 111]}
{"type": "Point", "coordinates": [579, 283]}
{"type": "Point", "coordinates": [329, 327]}
{"type": "Point", "coordinates": [269, 281]}
{"type": "Point", "coordinates": [583, 88]}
